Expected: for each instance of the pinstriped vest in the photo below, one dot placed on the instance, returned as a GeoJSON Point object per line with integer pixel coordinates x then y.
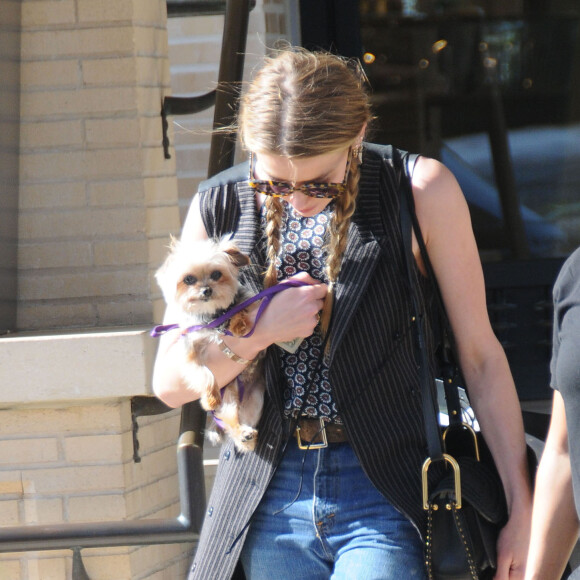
{"type": "Point", "coordinates": [372, 366]}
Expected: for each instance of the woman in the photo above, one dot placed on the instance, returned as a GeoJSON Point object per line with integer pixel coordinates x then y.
{"type": "Point", "coordinates": [319, 204]}
{"type": "Point", "coordinates": [556, 510]}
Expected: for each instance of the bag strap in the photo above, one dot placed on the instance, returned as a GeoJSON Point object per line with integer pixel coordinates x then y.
{"type": "Point", "coordinates": [447, 354]}
{"type": "Point", "coordinates": [430, 407]}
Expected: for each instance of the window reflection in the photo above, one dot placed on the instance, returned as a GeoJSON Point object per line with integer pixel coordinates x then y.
{"type": "Point", "coordinates": [439, 69]}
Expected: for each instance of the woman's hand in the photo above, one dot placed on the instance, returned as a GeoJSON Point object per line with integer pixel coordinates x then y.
{"type": "Point", "coordinates": [512, 545]}
{"type": "Point", "coordinates": [292, 313]}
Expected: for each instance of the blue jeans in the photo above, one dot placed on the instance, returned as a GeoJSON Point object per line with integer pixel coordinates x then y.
{"type": "Point", "coordinates": [322, 518]}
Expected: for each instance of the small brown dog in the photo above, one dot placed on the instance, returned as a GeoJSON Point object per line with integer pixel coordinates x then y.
{"type": "Point", "coordinates": [200, 282]}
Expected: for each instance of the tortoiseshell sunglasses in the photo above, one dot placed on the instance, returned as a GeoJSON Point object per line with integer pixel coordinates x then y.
{"type": "Point", "coordinates": [284, 188]}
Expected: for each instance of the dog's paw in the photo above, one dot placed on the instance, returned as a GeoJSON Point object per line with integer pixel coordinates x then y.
{"type": "Point", "coordinates": [246, 439]}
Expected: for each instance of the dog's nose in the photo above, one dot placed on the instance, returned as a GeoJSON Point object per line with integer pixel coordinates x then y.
{"type": "Point", "coordinates": [206, 292]}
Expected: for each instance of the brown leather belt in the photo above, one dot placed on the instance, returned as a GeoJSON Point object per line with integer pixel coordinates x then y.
{"type": "Point", "coordinates": [317, 433]}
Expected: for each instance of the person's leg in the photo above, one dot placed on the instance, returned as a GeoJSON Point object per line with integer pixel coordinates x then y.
{"type": "Point", "coordinates": [322, 518]}
{"type": "Point", "coordinates": [367, 536]}
{"type": "Point", "coordinates": [281, 542]}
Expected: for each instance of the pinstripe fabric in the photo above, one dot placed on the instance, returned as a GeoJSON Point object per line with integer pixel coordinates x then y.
{"type": "Point", "coordinates": [372, 369]}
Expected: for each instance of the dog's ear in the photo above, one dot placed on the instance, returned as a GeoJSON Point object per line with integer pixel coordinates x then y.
{"type": "Point", "coordinates": [237, 258]}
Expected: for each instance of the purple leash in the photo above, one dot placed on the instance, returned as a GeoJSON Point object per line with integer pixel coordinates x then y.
{"type": "Point", "coordinates": [265, 296]}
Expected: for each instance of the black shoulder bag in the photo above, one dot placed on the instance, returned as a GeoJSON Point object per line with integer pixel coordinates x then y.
{"type": "Point", "coordinates": [466, 508]}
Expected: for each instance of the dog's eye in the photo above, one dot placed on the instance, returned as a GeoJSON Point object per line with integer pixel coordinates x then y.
{"type": "Point", "coordinates": [189, 280]}
{"type": "Point", "coordinates": [216, 275]}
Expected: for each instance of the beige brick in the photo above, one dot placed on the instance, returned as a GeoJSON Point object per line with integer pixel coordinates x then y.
{"type": "Point", "coordinates": [195, 50]}
{"type": "Point", "coordinates": [153, 71]}
{"type": "Point", "coordinates": [155, 466]}
{"type": "Point", "coordinates": [10, 569]}
{"type": "Point", "coordinates": [49, 567]}
{"type": "Point", "coordinates": [47, 315]}
{"type": "Point", "coordinates": [154, 12]}
{"type": "Point", "coordinates": [158, 311]}
{"type": "Point", "coordinates": [146, 500]}
{"type": "Point", "coordinates": [109, 71]}
{"type": "Point", "coordinates": [96, 508]}
{"type": "Point", "coordinates": [51, 135]}
{"type": "Point", "coordinates": [45, 166]}
{"type": "Point", "coordinates": [10, 487]}
{"type": "Point", "coordinates": [160, 190]}
{"type": "Point", "coordinates": [158, 249]}
{"type": "Point", "coordinates": [10, 13]}
{"type": "Point", "coordinates": [125, 313]}
{"type": "Point", "coordinates": [51, 195]}
{"type": "Point", "coordinates": [28, 451]}
{"type": "Point", "coordinates": [49, 74]}
{"type": "Point", "coordinates": [160, 220]}
{"type": "Point", "coordinates": [95, 449]}
{"type": "Point", "coordinates": [114, 132]}
{"type": "Point", "coordinates": [152, 135]}
{"type": "Point", "coordinates": [116, 193]}
{"type": "Point", "coordinates": [65, 479]}
{"type": "Point", "coordinates": [150, 41]}
{"type": "Point", "coordinates": [42, 511]}
{"type": "Point", "coordinates": [83, 223]}
{"type": "Point", "coordinates": [154, 163]}
{"type": "Point", "coordinates": [178, 27]}
{"type": "Point", "coordinates": [162, 433]}
{"type": "Point", "coordinates": [161, 562]}
{"type": "Point", "coordinates": [194, 159]}
{"type": "Point", "coordinates": [90, 102]}
{"type": "Point", "coordinates": [77, 285]}
{"type": "Point", "coordinates": [55, 255]}
{"type": "Point", "coordinates": [105, 11]}
{"type": "Point", "coordinates": [97, 418]}
{"type": "Point", "coordinates": [77, 42]}
{"type": "Point", "coordinates": [203, 81]}
{"type": "Point", "coordinates": [107, 567]}
{"type": "Point", "coordinates": [10, 512]}
{"type": "Point", "coordinates": [44, 13]}
{"type": "Point", "coordinates": [121, 252]}
{"type": "Point", "coordinates": [149, 101]}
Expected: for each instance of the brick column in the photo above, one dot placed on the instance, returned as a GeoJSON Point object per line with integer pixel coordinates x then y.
{"type": "Point", "coordinates": [97, 197]}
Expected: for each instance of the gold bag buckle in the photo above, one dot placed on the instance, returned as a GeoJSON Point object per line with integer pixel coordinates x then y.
{"type": "Point", "coordinates": [457, 480]}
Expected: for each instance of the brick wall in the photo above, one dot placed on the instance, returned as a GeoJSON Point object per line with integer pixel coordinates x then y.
{"type": "Point", "coordinates": [75, 464]}
{"type": "Point", "coordinates": [97, 197]}
{"type": "Point", "coordinates": [97, 202]}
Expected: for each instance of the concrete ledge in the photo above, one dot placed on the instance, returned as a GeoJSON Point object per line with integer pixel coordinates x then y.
{"type": "Point", "coordinates": [76, 365]}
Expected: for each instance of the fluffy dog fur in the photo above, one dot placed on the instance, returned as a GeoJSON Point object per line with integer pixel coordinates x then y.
{"type": "Point", "coordinates": [200, 282]}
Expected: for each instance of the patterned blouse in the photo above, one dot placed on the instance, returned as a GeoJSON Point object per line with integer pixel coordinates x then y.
{"type": "Point", "coordinates": [302, 250]}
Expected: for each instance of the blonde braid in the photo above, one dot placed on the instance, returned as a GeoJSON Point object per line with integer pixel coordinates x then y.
{"type": "Point", "coordinates": [338, 236]}
{"type": "Point", "coordinates": [274, 212]}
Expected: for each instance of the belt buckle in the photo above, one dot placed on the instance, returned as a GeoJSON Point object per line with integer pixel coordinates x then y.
{"type": "Point", "coordinates": [309, 446]}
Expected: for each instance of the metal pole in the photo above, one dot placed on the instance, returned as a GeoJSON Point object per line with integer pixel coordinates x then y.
{"type": "Point", "coordinates": [223, 142]}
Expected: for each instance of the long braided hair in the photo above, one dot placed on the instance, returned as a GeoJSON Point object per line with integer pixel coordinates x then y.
{"type": "Point", "coordinates": [303, 104]}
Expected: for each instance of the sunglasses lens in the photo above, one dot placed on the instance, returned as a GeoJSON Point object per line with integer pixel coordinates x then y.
{"type": "Point", "coordinates": [322, 190]}
{"type": "Point", "coordinates": [277, 188]}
